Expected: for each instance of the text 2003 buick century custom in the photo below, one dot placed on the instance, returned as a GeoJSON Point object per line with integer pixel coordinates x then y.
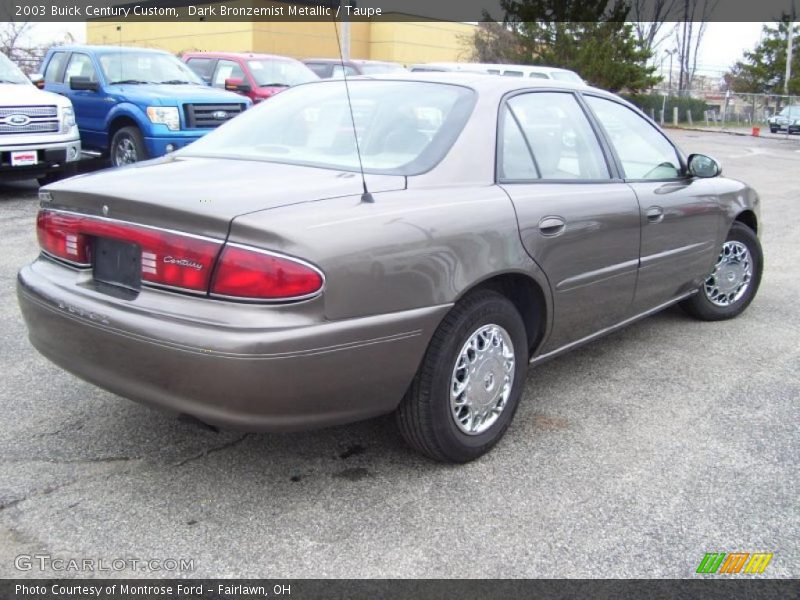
{"type": "Point", "coordinates": [248, 281]}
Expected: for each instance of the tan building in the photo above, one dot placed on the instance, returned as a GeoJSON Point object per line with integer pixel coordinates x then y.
{"type": "Point", "coordinates": [406, 42]}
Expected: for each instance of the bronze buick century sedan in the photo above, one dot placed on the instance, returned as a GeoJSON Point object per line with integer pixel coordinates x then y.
{"type": "Point", "coordinates": [409, 247]}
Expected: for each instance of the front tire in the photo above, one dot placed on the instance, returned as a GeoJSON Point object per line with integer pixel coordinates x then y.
{"type": "Point", "coordinates": [773, 130]}
{"type": "Point", "coordinates": [468, 387]}
{"type": "Point", "coordinates": [734, 280]}
{"type": "Point", "coordinates": [127, 147]}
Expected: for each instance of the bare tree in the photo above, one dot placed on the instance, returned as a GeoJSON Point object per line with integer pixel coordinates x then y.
{"type": "Point", "coordinates": [688, 37]}
{"type": "Point", "coordinates": [14, 43]}
{"type": "Point", "coordinates": [649, 17]}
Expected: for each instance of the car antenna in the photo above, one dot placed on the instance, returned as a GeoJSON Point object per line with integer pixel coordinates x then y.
{"type": "Point", "coordinates": [366, 196]}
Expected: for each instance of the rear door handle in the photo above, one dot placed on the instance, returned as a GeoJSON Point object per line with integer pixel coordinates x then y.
{"type": "Point", "coordinates": [655, 214]}
{"type": "Point", "coordinates": [551, 226]}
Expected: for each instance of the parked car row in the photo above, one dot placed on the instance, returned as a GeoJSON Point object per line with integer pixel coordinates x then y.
{"type": "Point", "coordinates": [132, 104]}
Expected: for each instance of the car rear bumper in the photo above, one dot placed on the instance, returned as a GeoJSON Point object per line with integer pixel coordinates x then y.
{"type": "Point", "coordinates": [219, 362]}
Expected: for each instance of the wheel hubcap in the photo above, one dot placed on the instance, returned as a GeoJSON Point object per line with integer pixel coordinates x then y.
{"type": "Point", "coordinates": [482, 379]}
{"type": "Point", "coordinates": [731, 276]}
{"type": "Point", "coordinates": [125, 153]}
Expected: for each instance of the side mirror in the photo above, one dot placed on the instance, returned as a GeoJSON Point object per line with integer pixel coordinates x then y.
{"type": "Point", "coordinates": [37, 79]}
{"type": "Point", "coordinates": [83, 83]}
{"type": "Point", "coordinates": [703, 166]}
{"type": "Point", "coordinates": [236, 84]}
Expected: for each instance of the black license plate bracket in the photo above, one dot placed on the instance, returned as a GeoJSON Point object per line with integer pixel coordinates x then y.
{"type": "Point", "coordinates": [117, 263]}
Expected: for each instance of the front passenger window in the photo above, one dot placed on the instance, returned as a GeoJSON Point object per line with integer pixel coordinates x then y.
{"type": "Point", "coordinates": [642, 150]}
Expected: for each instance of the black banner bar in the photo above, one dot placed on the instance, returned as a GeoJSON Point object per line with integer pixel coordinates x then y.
{"type": "Point", "coordinates": [390, 589]}
{"type": "Point", "coordinates": [379, 10]}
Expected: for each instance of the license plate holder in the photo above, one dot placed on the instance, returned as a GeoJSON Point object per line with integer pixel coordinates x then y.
{"type": "Point", "coordinates": [117, 263]}
{"type": "Point", "coordinates": [24, 158]}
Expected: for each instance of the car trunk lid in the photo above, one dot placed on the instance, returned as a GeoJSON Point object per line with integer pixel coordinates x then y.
{"type": "Point", "coordinates": [202, 196]}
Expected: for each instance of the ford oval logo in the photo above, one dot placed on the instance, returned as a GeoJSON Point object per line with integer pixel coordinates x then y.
{"type": "Point", "coordinates": [17, 120]}
{"type": "Point", "coordinates": [219, 115]}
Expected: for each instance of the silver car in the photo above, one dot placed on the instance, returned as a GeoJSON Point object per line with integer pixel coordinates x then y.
{"type": "Point", "coordinates": [410, 246]}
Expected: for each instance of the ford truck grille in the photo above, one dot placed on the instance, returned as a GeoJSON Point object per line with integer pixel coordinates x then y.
{"type": "Point", "coordinates": [28, 119]}
{"type": "Point", "coordinates": [209, 116]}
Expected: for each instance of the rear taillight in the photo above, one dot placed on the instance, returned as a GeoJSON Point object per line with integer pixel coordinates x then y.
{"type": "Point", "coordinates": [168, 258]}
{"type": "Point", "coordinates": [183, 261]}
{"type": "Point", "coordinates": [250, 274]}
{"type": "Point", "coordinates": [59, 235]}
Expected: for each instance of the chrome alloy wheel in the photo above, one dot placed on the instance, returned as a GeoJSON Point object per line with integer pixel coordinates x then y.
{"type": "Point", "coordinates": [482, 379]}
{"type": "Point", "coordinates": [731, 275]}
{"type": "Point", "coordinates": [125, 152]}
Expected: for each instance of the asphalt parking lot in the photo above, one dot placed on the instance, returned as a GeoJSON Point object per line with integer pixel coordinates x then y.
{"type": "Point", "coordinates": [630, 457]}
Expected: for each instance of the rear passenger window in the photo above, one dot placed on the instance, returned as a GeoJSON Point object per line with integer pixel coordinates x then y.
{"type": "Point", "coordinates": [555, 128]}
{"type": "Point", "coordinates": [54, 67]}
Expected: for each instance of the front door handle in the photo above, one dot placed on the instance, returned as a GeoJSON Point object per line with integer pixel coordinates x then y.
{"type": "Point", "coordinates": [550, 226]}
{"type": "Point", "coordinates": [655, 214]}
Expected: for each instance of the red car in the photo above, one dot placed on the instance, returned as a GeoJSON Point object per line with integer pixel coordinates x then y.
{"type": "Point", "coordinates": [257, 76]}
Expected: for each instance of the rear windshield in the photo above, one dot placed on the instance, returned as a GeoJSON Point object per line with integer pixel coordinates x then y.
{"type": "Point", "coordinates": [403, 127]}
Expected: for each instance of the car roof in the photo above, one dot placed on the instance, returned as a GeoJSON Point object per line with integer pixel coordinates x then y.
{"type": "Point", "coordinates": [105, 49]}
{"type": "Point", "coordinates": [253, 55]}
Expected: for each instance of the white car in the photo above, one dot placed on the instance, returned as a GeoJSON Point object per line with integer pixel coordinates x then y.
{"type": "Point", "coordinates": [507, 70]}
{"type": "Point", "coordinates": [38, 135]}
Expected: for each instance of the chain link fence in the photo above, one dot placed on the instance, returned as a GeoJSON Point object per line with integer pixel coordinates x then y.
{"type": "Point", "coordinates": [727, 111]}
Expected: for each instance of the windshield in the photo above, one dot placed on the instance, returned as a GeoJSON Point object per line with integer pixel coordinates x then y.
{"type": "Point", "coordinates": [404, 128]}
{"type": "Point", "coordinates": [280, 73]}
{"type": "Point", "coordinates": [379, 68]}
{"type": "Point", "coordinates": [9, 72]}
{"type": "Point", "coordinates": [146, 67]}
{"type": "Point", "coordinates": [792, 112]}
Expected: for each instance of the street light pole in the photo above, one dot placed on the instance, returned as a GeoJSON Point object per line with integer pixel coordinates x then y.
{"type": "Point", "coordinates": [789, 48]}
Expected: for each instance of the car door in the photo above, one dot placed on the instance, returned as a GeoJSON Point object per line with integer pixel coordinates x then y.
{"type": "Point", "coordinates": [680, 215]}
{"type": "Point", "coordinates": [577, 219]}
{"type": "Point", "coordinates": [91, 106]}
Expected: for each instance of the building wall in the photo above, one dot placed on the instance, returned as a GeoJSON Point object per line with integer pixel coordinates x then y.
{"type": "Point", "coordinates": [403, 42]}
{"type": "Point", "coordinates": [420, 41]}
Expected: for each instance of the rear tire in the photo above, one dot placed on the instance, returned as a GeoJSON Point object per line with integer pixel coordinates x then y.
{"type": "Point", "coordinates": [773, 130]}
{"type": "Point", "coordinates": [471, 350]}
{"type": "Point", "coordinates": [127, 147]}
{"type": "Point", "coordinates": [720, 296]}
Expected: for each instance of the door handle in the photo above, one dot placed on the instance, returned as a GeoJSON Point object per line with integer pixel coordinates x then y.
{"type": "Point", "coordinates": [550, 226]}
{"type": "Point", "coordinates": [655, 214]}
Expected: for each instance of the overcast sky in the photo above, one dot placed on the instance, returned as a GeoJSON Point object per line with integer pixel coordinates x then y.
{"type": "Point", "coordinates": [723, 43]}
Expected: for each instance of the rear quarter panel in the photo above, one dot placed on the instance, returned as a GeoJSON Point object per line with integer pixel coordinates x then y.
{"type": "Point", "coordinates": [410, 249]}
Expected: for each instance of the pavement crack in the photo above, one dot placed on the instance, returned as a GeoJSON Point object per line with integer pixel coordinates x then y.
{"type": "Point", "coordinates": [213, 450]}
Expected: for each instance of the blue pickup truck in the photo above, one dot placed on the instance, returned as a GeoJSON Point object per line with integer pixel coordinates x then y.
{"type": "Point", "coordinates": [132, 104]}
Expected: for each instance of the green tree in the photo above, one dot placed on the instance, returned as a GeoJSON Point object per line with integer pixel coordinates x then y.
{"type": "Point", "coordinates": [590, 37]}
{"type": "Point", "coordinates": [763, 69]}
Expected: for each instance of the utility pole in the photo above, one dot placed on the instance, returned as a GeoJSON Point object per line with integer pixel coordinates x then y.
{"type": "Point", "coordinates": [345, 31]}
{"type": "Point", "coordinates": [789, 48]}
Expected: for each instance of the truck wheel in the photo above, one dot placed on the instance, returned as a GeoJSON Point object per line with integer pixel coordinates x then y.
{"type": "Point", "coordinates": [127, 147]}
